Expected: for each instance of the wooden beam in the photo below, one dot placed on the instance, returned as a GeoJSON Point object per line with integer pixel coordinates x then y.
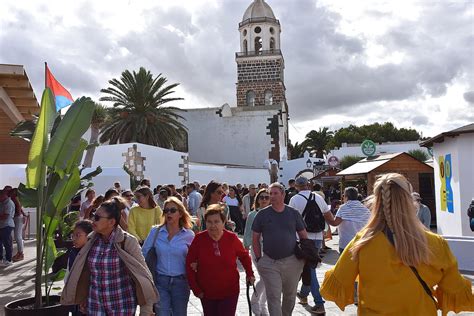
{"type": "Point", "coordinates": [20, 93]}
{"type": "Point", "coordinates": [7, 105]}
{"type": "Point", "coordinates": [14, 83]}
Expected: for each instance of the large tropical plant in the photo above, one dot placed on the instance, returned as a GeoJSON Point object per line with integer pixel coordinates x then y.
{"type": "Point", "coordinates": [139, 114]}
{"type": "Point", "coordinates": [53, 178]}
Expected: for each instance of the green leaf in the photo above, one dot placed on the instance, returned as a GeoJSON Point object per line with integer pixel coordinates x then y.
{"type": "Point", "coordinates": [68, 134]}
{"type": "Point", "coordinates": [50, 253]}
{"type": "Point", "coordinates": [51, 224]}
{"type": "Point", "coordinates": [76, 157]}
{"type": "Point", "coordinates": [65, 189]}
{"type": "Point", "coordinates": [27, 197]}
{"type": "Point", "coordinates": [40, 139]}
{"type": "Point", "coordinates": [92, 174]}
{"type": "Point", "coordinates": [58, 276]}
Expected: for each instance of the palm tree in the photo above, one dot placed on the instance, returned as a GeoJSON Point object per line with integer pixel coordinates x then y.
{"type": "Point", "coordinates": [317, 141]}
{"type": "Point", "coordinates": [98, 119]}
{"type": "Point", "coordinates": [296, 150]}
{"type": "Point", "coordinates": [138, 114]}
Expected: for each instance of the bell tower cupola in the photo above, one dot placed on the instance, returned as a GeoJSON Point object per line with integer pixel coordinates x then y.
{"type": "Point", "coordinates": [260, 63]}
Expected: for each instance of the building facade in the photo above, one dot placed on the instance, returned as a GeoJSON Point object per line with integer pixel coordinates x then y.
{"type": "Point", "coordinates": [254, 131]}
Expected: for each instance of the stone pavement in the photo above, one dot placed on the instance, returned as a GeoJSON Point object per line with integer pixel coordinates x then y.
{"type": "Point", "coordinates": [16, 282]}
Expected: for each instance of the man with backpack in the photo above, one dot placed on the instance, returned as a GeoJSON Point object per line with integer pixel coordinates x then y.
{"type": "Point", "coordinates": [312, 208]}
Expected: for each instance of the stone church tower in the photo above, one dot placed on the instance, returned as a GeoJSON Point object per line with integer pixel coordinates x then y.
{"type": "Point", "coordinates": [260, 64]}
{"type": "Point", "coordinates": [255, 132]}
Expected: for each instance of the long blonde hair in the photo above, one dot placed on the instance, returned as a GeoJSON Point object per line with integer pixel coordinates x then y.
{"type": "Point", "coordinates": [392, 206]}
{"type": "Point", "coordinates": [185, 219]}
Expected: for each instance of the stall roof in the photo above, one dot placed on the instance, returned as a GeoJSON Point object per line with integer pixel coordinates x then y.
{"type": "Point", "coordinates": [453, 133]}
{"type": "Point", "coordinates": [17, 98]}
{"type": "Point", "coordinates": [368, 164]}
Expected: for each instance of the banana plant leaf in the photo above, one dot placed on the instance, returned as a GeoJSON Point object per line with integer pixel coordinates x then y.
{"type": "Point", "coordinates": [25, 129]}
{"type": "Point", "coordinates": [50, 253]}
{"type": "Point", "coordinates": [27, 197]}
{"type": "Point", "coordinates": [92, 174]}
{"type": "Point", "coordinates": [68, 134]}
{"type": "Point", "coordinates": [40, 139]}
{"type": "Point", "coordinates": [65, 189]}
{"type": "Point", "coordinates": [76, 157]}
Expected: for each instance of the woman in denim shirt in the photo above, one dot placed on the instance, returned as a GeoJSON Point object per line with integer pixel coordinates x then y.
{"type": "Point", "coordinates": [171, 247]}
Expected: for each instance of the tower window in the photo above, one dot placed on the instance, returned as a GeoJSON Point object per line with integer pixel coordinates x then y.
{"type": "Point", "coordinates": [245, 33]}
{"type": "Point", "coordinates": [272, 30]}
{"type": "Point", "coordinates": [258, 45]}
{"type": "Point", "coordinates": [250, 98]}
{"type": "Point", "coordinates": [272, 43]}
{"type": "Point", "coordinates": [268, 97]}
{"type": "Point", "coordinates": [244, 46]}
{"type": "Point", "coordinates": [258, 29]}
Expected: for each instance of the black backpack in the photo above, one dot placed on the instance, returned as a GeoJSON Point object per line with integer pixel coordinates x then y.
{"type": "Point", "coordinates": [312, 215]}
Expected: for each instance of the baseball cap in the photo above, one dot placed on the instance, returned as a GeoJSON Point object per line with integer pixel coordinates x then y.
{"type": "Point", "coordinates": [301, 181]}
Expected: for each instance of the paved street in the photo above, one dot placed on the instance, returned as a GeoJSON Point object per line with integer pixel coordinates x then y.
{"type": "Point", "coordinates": [16, 282]}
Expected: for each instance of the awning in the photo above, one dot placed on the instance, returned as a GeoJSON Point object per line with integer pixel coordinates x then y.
{"type": "Point", "coordinates": [367, 165]}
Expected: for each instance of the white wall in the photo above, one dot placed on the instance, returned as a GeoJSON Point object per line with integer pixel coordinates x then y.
{"type": "Point", "coordinates": [240, 139]}
{"type": "Point", "coordinates": [461, 149]}
{"type": "Point", "coordinates": [290, 168]}
{"type": "Point", "coordinates": [12, 175]}
{"type": "Point", "coordinates": [162, 166]}
{"type": "Point", "coordinates": [387, 148]}
{"type": "Point", "coordinates": [204, 173]}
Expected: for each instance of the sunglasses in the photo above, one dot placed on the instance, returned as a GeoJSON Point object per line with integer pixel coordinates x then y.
{"type": "Point", "coordinates": [98, 217]}
{"type": "Point", "coordinates": [264, 197]}
{"type": "Point", "coordinates": [171, 210]}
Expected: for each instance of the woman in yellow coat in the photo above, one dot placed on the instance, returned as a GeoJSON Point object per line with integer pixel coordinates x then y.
{"type": "Point", "coordinates": [392, 256]}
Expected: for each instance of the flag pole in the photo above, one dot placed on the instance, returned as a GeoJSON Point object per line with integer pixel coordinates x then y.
{"type": "Point", "coordinates": [45, 74]}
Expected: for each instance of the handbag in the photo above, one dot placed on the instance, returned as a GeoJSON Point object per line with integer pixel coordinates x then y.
{"type": "Point", "coordinates": [151, 258]}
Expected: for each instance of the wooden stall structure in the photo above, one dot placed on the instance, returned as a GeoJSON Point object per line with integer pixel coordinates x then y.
{"type": "Point", "coordinates": [420, 174]}
{"type": "Point", "coordinates": [17, 103]}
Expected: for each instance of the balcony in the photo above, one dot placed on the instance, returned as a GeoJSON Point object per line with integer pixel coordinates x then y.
{"type": "Point", "coordinates": [270, 52]}
{"type": "Point", "coordinates": [259, 20]}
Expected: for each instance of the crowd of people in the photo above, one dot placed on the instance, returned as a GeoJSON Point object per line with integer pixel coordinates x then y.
{"type": "Point", "coordinates": [152, 247]}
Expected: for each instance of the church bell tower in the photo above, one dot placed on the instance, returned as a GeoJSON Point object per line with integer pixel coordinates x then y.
{"type": "Point", "coordinates": [260, 63]}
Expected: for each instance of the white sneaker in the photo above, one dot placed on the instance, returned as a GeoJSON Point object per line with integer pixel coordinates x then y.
{"type": "Point", "coordinates": [7, 263]}
{"type": "Point", "coordinates": [2, 263]}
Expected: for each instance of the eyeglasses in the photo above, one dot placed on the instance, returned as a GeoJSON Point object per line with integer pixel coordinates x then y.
{"type": "Point", "coordinates": [217, 252]}
{"type": "Point", "coordinates": [98, 217]}
{"type": "Point", "coordinates": [220, 192]}
{"type": "Point", "coordinates": [171, 210]}
{"type": "Point", "coordinates": [129, 195]}
{"type": "Point", "coordinates": [264, 197]}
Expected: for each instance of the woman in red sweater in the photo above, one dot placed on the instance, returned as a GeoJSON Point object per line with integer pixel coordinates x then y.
{"type": "Point", "coordinates": [211, 265]}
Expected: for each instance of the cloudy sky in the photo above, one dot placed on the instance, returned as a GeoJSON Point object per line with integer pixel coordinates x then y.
{"type": "Point", "coordinates": [347, 62]}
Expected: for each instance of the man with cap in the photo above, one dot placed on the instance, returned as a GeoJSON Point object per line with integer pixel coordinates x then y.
{"type": "Point", "coordinates": [298, 202]}
{"type": "Point", "coordinates": [248, 200]}
{"type": "Point", "coordinates": [290, 191]}
{"type": "Point", "coordinates": [422, 211]}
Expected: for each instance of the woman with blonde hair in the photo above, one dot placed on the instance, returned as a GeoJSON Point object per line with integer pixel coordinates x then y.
{"type": "Point", "coordinates": [170, 242]}
{"type": "Point", "coordinates": [398, 262]}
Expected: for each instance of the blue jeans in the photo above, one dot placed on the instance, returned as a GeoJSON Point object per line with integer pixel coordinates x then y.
{"type": "Point", "coordinates": [314, 288]}
{"type": "Point", "coordinates": [7, 242]}
{"type": "Point", "coordinates": [174, 295]}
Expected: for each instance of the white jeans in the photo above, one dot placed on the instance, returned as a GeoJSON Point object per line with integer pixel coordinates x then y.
{"type": "Point", "coordinates": [259, 298]}
{"type": "Point", "coordinates": [18, 232]}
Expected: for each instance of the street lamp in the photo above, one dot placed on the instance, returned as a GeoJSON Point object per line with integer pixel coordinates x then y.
{"type": "Point", "coordinates": [309, 164]}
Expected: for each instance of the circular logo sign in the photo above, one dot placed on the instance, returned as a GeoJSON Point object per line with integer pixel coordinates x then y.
{"type": "Point", "coordinates": [333, 161]}
{"type": "Point", "coordinates": [368, 147]}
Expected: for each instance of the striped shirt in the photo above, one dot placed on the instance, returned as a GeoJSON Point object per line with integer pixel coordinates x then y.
{"type": "Point", "coordinates": [354, 217]}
